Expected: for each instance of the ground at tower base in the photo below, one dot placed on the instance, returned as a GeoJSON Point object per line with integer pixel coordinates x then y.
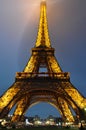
{"type": "Point", "coordinates": [42, 128]}
{"type": "Point", "coordinates": [36, 123]}
{"type": "Point", "coordinates": [45, 128]}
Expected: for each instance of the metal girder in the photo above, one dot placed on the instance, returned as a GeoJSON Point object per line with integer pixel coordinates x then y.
{"type": "Point", "coordinates": [53, 85]}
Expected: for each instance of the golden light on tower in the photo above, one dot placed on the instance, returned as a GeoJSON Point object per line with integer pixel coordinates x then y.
{"type": "Point", "coordinates": [43, 38]}
{"type": "Point", "coordinates": [32, 86]}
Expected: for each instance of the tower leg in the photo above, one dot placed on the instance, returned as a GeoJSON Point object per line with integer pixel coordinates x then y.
{"type": "Point", "coordinates": [8, 96]}
{"type": "Point", "coordinates": [65, 110]}
{"type": "Point", "coordinates": [21, 108]}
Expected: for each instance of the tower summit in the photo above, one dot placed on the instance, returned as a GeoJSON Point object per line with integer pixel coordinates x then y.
{"type": "Point", "coordinates": [43, 80]}
{"type": "Point", "coordinates": [43, 39]}
{"type": "Point", "coordinates": [43, 49]}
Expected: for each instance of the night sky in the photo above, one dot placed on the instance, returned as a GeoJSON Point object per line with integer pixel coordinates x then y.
{"type": "Point", "coordinates": [19, 21]}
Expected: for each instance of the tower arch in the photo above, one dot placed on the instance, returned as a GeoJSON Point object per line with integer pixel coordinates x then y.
{"type": "Point", "coordinates": [32, 85]}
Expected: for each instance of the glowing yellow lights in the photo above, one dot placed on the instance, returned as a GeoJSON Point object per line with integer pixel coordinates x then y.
{"type": "Point", "coordinates": [65, 108]}
{"type": "Point", "coordinates": [30, 66]}
{"type": "Point", "coordinates": [43, 36]}
{"type": "Point", "coordinates": [8, 97]}
{"type": "Point", "coordinates": [85, 108]}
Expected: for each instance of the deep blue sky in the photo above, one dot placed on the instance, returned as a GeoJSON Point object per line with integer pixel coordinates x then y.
{"type": "Point", "coordinates": [18, 30]}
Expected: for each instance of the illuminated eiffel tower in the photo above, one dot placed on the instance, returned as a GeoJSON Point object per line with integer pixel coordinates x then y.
{"type": "Point", "coordinates": [43, 80]}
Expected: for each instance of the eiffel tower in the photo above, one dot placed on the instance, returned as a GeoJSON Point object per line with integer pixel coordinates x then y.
{"type": "Point", "coordinates": [43, 80]}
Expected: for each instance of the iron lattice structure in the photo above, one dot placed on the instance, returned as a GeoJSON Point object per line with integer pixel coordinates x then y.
{"type": "Point", "coordinates": [43, 80]}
